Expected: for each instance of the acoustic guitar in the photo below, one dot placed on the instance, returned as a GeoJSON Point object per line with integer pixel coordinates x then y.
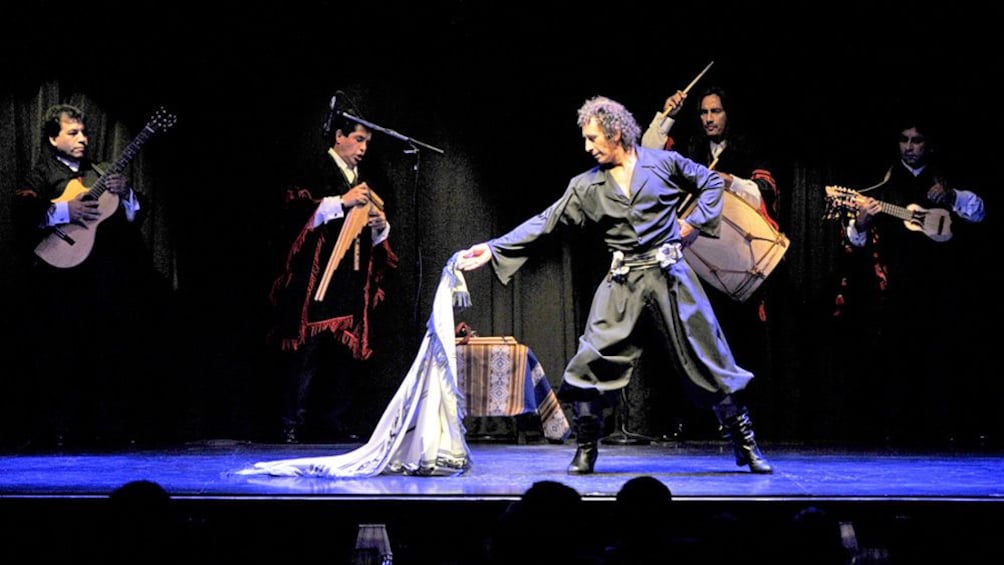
{"type": "Point", "coordinates": [935, 223]}
{"type": "Point", "coordinates": [69, 244]}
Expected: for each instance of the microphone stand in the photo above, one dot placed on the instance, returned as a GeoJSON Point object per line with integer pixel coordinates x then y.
{"type": "Point", "coordinates": [414, 145]}
{"type": "Point", "coordinates": [624, 436]}
{"type": "Point", "coordinates": [419, 263]}
{"type": "Point", "coordinates": [409, 140]}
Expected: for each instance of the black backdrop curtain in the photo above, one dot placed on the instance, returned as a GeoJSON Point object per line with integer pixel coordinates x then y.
{"type": "Point", "coordinates": [108, 134]}
{"type": "Point", "coordinates": [250, 90]}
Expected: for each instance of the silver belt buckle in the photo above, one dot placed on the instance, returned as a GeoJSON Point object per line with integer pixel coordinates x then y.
{"type": "Point", "coordinates": [668, 254]}
{"type": "Point", "coordinates": [618, 270]}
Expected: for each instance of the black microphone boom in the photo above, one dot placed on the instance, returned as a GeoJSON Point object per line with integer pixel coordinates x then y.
{"type": "Point", "coordinates": [399, 136]}
{"type": "Point", "coordinates": [334, 111]}
{"type": "Point", "coordinates": [329, 121]}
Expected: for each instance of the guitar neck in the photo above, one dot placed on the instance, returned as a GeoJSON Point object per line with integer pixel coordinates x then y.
{"type": "Point", "coordinates": [122, 162]}
{"type": "Point", "coordinates": [896, 211]}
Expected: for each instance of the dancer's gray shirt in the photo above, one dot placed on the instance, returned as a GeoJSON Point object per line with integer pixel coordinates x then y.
{"type": "Point", "coordinates": [638, 226]}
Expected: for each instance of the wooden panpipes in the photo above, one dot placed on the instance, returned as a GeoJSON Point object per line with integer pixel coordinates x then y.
{"type": "Point", "coordinates": [355, 220]}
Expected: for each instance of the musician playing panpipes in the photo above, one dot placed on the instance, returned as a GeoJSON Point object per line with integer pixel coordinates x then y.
{"type": "Point", "coordinates": [325, 342]}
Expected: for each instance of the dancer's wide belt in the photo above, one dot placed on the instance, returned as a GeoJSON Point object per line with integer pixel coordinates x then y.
{"type": "Point", "coordinates": [622, 263]}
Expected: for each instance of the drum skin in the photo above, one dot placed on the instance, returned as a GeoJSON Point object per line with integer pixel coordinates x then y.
{"type": "Point", "coordinates": [743, 256]}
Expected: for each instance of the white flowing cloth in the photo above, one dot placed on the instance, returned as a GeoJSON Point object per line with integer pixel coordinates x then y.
{"type": "Point", "coordinates": [421, 431]}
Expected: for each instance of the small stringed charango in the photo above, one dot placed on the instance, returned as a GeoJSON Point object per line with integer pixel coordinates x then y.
{"type": "Point", "coordinates": [935, 223]}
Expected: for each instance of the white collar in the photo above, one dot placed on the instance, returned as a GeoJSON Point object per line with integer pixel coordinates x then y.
{"type": "Point", "coordinates": [914, 171]}
{"type": "Point", "coordinates": [350, 173]}
{"type": "Point", "coordinates": [717, 147]}
{"type": "Point", "coordinates": [74, 165]}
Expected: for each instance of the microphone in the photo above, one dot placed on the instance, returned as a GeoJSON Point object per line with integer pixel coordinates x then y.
{"type": "Point", "coordinates": [329, 120]}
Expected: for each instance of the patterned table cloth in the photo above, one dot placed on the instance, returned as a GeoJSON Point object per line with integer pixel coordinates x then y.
{"type": "Point", "coordinates": [500, 377]}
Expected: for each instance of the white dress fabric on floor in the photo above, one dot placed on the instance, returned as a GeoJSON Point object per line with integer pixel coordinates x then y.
{"type": "Point", "coordinates": [421, 431]}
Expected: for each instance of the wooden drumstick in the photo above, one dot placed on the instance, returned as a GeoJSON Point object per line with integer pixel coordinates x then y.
{"type": "Point", "coordinates": [664, 113]}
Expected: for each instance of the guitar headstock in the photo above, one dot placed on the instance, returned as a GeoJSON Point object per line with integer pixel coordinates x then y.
{"type": "Point", "coordinates": [841, 193]}
{"type": "Point", "coordinates": [161, 120]}
{"type": "Point", "coordinates": [840, 202]}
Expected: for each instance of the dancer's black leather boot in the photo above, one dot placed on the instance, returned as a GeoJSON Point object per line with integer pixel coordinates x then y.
{"type": "Point", "coordinates": [736, 426]}
{"type": "Point", "coordinates": [588, 425]}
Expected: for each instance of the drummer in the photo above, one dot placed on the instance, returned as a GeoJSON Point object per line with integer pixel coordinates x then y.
{"type": "Point", "coordinates": [734, 155]}
{"type": "Point", "coordinates": [721, 145]}
{"type": "Point", "coordinates": [633, 194]}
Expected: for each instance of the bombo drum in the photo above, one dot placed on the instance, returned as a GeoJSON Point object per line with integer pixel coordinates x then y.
{"type": "Point", "coordinates": [745, 253]}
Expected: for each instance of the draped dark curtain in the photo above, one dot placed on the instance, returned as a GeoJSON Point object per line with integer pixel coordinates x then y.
{"type": "Point", "coordinates": [251, 89]}
{"type": "Point", "coordinates": [20, 132]}
{"type": "Point", "coordinates": [21, 112]}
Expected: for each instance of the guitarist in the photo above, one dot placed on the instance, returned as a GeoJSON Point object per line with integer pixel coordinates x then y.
{"type": "Point", "coordinates": [81, 318]}
{"type": "Point", "coordinates": [914, 180]}
{"type": "Point", "coordinates": [905, 295]}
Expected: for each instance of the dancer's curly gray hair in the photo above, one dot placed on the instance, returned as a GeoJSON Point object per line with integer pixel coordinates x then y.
{"type": "Point", "coordinates": [612, 117]}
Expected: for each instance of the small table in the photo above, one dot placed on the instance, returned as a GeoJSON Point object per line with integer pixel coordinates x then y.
{"type": "Point", "coordinates": [501, 377]}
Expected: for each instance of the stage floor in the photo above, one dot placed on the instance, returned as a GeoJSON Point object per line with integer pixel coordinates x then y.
{"type": "Point", "coordinates": [914, 506]}
{"type": "Point", "coordinates": [691, 470]}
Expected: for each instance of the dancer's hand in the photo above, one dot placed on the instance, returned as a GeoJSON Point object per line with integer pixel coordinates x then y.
{"type": "Point", "coordinates": [687, 233]}
{"type": "Point", "coordinates": [474, 257]}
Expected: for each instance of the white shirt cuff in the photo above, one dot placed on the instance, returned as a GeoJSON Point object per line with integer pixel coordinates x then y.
{"type": "Point", "coordinates": [379, 236]}
{"type": "Point", "coordinates": [329, 209]}
{"type": "Point", "coordinates": [747, 190]}
{"type": "Point", "coordinates": [969, 206]}
{"type": "Point", "coordinates": [857, 238]}
{"type": "Point", "coordinates": [59, 213]}
{"type": "Point", "coordinates": [130, 205]}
